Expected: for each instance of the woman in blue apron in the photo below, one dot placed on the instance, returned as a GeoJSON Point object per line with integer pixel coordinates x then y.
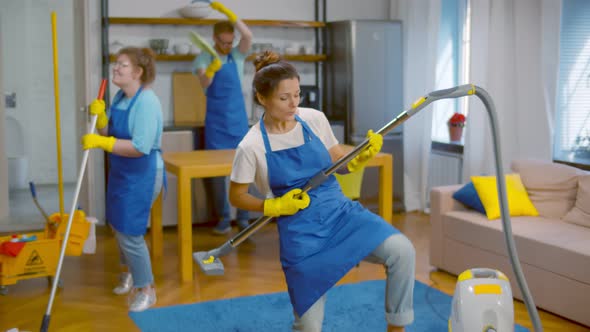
{"type": "Point", "coordinates": [322, 233]}
{"type": "Point", "coordinates": [131, 133]}
{"type": "Point", "coordinates": [226, 121]}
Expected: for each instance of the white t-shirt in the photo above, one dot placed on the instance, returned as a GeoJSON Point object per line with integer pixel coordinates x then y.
{"type": "Point", "coordinates": [249, 164]}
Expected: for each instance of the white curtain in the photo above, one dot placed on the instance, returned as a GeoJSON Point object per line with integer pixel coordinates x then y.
{"type": "Point", "coordinates": [420, 25]}
{"type": "Point", "coordinates": [514, 56]}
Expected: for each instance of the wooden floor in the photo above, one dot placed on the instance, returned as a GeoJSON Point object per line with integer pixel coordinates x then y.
{"type": "Point", "coordinates": [87, 304]}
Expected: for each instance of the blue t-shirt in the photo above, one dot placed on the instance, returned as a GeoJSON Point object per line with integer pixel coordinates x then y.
{"type": "Point", "coordinates": [145, 121]}
{"type": "Point", "coordinates": [204, 59]}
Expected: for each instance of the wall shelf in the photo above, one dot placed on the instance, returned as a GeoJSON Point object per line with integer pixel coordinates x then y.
{"type": "Point", "coordinates": [196, 21]}
{"type": "Point", "coordinates": [191, 57]}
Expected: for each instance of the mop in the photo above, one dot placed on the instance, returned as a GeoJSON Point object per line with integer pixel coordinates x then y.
{"type": "Point", "coordinates": [47, 316]}
{"type": "Point", "coordinates": [210, 262]}
{"type": "Point", "coordinates": [202, 44]}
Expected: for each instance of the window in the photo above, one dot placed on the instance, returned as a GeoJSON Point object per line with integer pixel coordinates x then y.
{"type": "Point", "coordinates": [572, 126]}
{"type": "Point", "coordinates": [452, 64]}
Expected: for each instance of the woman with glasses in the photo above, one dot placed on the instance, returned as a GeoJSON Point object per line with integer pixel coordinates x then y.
{"type": "Point", "coordinates": [131, 134]}
{"type": "Point", "coordinates": [226, 121]}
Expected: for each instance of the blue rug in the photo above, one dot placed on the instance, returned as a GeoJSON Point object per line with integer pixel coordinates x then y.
{"type": "Point", "coordinates": [350, 307]}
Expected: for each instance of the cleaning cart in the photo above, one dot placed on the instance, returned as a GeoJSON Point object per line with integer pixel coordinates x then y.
{"type": "Point", "coordinates": [35, 254]}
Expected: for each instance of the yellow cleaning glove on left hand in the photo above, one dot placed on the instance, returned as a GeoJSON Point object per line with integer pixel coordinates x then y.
{"type": "Point", "coordinates": [375, 144]}
{"type": "Point", "coordinates": [97, 107]}
{"type": "Point", "coordinates": [213, 67]}
{"type": "Point", "coordinates": [225, 11]}
{"type": "Point", "coordinates": [93, 141]}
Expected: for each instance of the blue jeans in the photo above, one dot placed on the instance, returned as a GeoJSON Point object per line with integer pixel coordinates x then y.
{"type": "Point", "coordinates": [217, 188]}
{"type": "Point", "coordinates": [398, 256]}
{"type": "Point", "coordinates": [133, 251]}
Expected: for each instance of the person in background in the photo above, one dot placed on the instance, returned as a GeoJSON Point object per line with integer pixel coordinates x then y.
{"type": "Point", "coordinates": [131, 134]}
{"type": "Point", "coordinates": [226, 121]}
{"type": "Point", "coordinates": [322, 233]}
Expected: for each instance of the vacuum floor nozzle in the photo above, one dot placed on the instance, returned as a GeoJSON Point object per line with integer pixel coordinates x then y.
{"type": "Point", "coordinates": [210, 265]}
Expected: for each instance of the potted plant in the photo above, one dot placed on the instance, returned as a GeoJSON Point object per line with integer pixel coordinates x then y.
{"type": "Point", "coordinates": [456, 124]}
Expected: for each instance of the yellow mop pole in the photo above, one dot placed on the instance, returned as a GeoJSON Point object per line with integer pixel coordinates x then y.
{"type": "Point", "coordinates": [57, 114]}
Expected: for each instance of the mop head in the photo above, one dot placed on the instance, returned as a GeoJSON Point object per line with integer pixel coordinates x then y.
{"type": "Point", "coordinates": [209, 265]}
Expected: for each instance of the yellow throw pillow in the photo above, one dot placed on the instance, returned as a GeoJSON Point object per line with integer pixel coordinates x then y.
{"type": "Point", "coordinates": [519, 203]}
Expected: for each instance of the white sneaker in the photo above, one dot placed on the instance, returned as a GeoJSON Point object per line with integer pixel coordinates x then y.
{"type": "Point", "coordinates": [125, 284]}
{"type": "Point", "coordinates": [142, 299]}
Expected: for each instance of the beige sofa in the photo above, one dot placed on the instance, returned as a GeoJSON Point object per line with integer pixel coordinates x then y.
{"type": "Point", "coordinates": [554, 254]}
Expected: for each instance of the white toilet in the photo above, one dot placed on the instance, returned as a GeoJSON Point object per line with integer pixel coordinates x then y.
{"type": "Point", "coordinates": [18, 164]}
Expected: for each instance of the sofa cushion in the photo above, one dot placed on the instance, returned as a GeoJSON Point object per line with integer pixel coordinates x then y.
{"type": "Point", "coordinates": [467, 195]}
{"type": "Point", "coordinates": [551, 186]}
{"type": "Point", "coordinates": [518, 200]}
{"type": "Point", "coordinates": [580, 213]}
{"type": "Point", "coordinates": [548, 244]}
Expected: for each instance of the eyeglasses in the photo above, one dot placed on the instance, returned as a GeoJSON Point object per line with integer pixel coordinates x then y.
{"type": "Point", "coordinates": [224, 43]}
{"type": "Point", "coordinates": [121, 64]}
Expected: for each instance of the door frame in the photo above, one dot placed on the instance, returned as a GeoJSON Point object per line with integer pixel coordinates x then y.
{"type": "Point", "coordinates": [4, 206]}
{"type": "Point", "coordinates": [82, 96]}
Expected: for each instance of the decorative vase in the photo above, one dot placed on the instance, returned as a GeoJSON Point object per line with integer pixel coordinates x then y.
{"type": "Point", "coordinates": [455, 132]}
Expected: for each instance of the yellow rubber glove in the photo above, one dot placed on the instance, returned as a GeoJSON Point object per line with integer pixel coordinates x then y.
{"type": "Point", "coordinates": [93, 141]}
{"type": "Point", "coordinates": [225, 11]}
{"type": "Point", "coordinates": [287, 204]}
{"type": "Point", "coordinates": [213, 67]}
{"type": "Point", "coordinates": [97, 107]}
{"type": "Point", "coordinates": [375, 144]}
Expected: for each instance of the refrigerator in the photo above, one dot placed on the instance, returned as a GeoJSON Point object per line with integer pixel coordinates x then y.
{"type": "Point", "coordinates": [363, 89]}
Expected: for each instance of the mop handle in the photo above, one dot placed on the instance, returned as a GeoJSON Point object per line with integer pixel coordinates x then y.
{"type": "Point", "coordinates": [46, 317]}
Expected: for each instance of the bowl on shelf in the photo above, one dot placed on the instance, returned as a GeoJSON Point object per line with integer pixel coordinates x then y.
{"type": "Point", "coordinates": [195, 10]}
{"type": "Point", "coordinates": [181, 48]}
{"type": "Point", "coordinates": [160, 46]}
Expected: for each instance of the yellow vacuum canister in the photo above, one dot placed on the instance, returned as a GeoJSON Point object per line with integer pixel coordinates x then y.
{"type": "Point", "coordinates": [482, 302]}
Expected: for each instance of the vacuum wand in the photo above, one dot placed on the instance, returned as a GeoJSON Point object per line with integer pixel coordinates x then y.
{"type": "Point", "coordinates": [210, 263]}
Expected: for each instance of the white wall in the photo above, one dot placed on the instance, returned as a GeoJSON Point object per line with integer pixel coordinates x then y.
{"type": "Point", "coordinates": [28, 71]}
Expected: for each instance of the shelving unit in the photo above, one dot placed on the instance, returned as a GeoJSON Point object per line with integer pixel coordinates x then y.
{"type": "Point", "coordinates": [191, 57]}
{"type": "Point", "coordinates": [316, 25]}
{"type": "Point", "coordinates": [194, 21]}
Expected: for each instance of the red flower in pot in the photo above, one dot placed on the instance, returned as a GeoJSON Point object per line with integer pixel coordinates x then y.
{"type": "Point", "coordinates": [457, 120]}
{"type": "Point", "coordinates": [456, 124]}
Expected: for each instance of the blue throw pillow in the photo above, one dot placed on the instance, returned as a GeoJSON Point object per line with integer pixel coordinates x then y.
{"type": "Point", "coordinates": [468, 196]}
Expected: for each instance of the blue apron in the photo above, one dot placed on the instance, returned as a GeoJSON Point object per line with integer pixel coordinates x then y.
{"type": "Point", "coordinates": [226, 122]}
{"type": "Point", "coordinates": [321, 243]}
{"type": "Point", "coordinates": [131, 180]}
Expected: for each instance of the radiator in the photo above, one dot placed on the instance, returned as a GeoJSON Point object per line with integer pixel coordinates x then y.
{"type": "Point", "coordinates": [444, 169]}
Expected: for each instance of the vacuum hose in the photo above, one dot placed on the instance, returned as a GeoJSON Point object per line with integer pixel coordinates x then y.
{"type": "Point", "coordinates": [422, 102]}
{"type": "Point", "coordinates": [467, 90]}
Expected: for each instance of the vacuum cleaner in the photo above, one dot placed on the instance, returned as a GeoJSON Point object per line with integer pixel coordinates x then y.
{"type": "Point", "coordinates": [482, 302]}
{"type": "Point", "coordinates": [467, 302]}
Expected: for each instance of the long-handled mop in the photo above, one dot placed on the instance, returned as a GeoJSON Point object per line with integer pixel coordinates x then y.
{"type": "Point", "coordinates": [47, 316]}
{"type": "Point", "coordinates": [210, 263]}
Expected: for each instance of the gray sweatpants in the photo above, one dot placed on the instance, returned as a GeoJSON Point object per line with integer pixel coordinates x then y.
{"type": "Point", "coordinates": [398, 256]}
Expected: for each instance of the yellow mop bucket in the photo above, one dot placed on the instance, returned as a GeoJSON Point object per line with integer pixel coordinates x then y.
{"type": "Point", "coordinates": [78, 232]}
{"type": "Point", "coordinates": [37, 258]}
